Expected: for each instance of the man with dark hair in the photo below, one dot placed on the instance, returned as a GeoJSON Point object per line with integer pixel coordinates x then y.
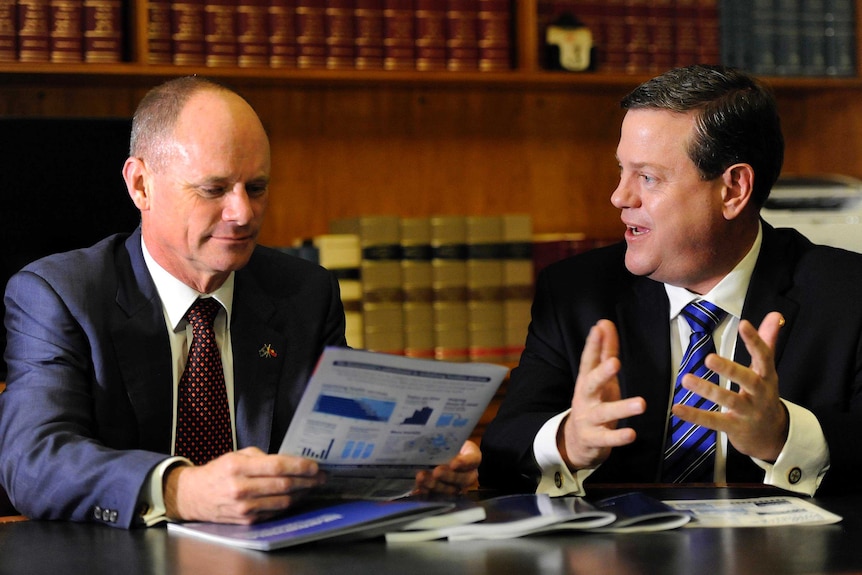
{"type": "Point", "coordinates": [137, 390]}
{"type": "Point", "coordinates": [643, 362]}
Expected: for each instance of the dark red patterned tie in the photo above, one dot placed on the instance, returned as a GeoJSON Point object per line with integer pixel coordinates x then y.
{"type": "Point", "coordinates": [203, 416]}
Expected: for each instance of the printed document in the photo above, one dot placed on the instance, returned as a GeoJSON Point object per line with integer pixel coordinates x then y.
{"type": "Point", "coordinates": [372, 420]}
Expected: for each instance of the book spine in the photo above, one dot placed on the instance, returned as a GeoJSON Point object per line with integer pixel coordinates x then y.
{"type": "Point", "coordinates": [103, 31]}
{"type": "Point", "coordinates": [66, 30]}
{"type": "Point", "coordinates": [517, 282]}
{"type": "Point", "coordinates": [840, 38]}
{"type": "Point", "coordinates": [661, 42]}
{"type": "Point", "coordinates": [382, 309]}
{"type": "Point", "coordinates": [449, 277]}
{"type": "Point", "coordinates": [342, 255]}
{"type": "Point", "coordinates": [495, 35]}
{"type": "Point", "coordinates": [762, 17]}
{"type": "Point", "coordinates": [417, 287]}
{"type": "Point", "coordinates": [8, 31]}
{"type": "Point", "coordinates": [32, 31]}
{"type": "Point", "coordinates": [788, 58]}
{"type": "Point", "coordinates": [339, 30]}
{"type": "Point", "coordinates": [431, 25]}
{"type": "Point", "coordinates": [220, 36]}
{"type": "Point", "coordinates": [462, 30]}
{"type": "Point", "coordinates": [368, 31]}
{"type": "Point", "coordinates": [686, 37]}
{"type": "Point", "coordinates": [398, 35]}
{"type": "Point", "coordinates": [485, 309]}
{"type": "Point", "coordinates": [638, 33]}
{"type": "Point", "coordinates": [252, 37]}
{"type": "Point", "coordinates": [159, 32]}
{"type": "Point", "coordinates": [187, 32]}
{"type": "Point", "coordinates": [282, 33]}
{"type": "Point", "coordinates": [708, 32]}
{"type": "Point", "coordinates": [812, 22]}
{"type": "Point", "coordinates": [616, 36]}
{"type": "Point", "coordinates": [311, 33]}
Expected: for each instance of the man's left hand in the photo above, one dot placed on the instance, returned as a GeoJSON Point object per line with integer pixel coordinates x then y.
{"type": "Point", "coordinates": [754, 419]}
{"type": "Point", "coordinates": [456, 476]}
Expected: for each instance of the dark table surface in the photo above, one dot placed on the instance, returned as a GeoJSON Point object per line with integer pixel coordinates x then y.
{"type": "Point", "coordinates": [55, 547]}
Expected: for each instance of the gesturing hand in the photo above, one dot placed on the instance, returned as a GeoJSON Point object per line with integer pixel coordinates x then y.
{"type": "Point", "coordinates": [753, 418]}
{"type": "Point", "coordinates": [590, 430]}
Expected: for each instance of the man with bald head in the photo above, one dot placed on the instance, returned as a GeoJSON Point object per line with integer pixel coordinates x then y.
{"type": "Point", "coordinates": [94, 424]}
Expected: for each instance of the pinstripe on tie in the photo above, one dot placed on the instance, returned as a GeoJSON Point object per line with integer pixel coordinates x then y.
{"type": "Point", "coordinates": [690, 450]}
{"type": "Point", "coordinates": [203, 415]}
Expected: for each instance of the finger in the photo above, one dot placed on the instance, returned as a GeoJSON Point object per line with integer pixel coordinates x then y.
{"type": "Point", "coordinates": [769, 328]}
{"type": "Point", "coordinates": [760, 349]}
{"type": "Point", "coordinates": [610, 341]}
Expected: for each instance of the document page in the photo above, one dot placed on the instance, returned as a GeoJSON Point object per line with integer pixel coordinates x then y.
{"type": "Point", "coordinates": [372, 420]}
{"type": "Point", "coordinates": [756, 512]}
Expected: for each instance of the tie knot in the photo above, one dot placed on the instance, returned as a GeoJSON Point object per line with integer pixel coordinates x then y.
{"type": "Point", "coordinates": [203, 312]}
{"type": "Point", "coordinates": [703, 316]}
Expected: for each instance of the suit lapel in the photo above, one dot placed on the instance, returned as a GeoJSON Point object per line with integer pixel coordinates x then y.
{"type": "Point", "coordinates": [645, 355]}
{"type": "Point", "coordinates": [772, 277]}
{"type": "Point", "coordinates": [259, 353]}
{"type": "Point", "coordinates": [142, 349]}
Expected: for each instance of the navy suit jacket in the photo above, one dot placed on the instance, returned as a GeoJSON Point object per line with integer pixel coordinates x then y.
{"type": "Point", "coordinates": [818, 354]}
{"type": "Point", "coordinates": [87, 411]}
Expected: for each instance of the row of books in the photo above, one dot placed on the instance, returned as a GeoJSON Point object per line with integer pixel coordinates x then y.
{"type": "Point", "coordinates": [636, 36]}
{"type": "Point", "coordinates": [61, 31]}
{"type": "Point", "coordinates": [790, 37]}
{"type": "Point", "coordinates": [334, 34]}
{"type": "Point", "coordinates": [766, 37]}
{"type": "Point", "coordinates": [455, 288]}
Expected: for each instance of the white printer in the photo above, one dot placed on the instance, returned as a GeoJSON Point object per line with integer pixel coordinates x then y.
{"type": "Point", "coordinates": [827, 209]}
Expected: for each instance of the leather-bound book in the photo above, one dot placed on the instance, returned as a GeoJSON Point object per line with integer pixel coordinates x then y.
{"type": "Point", "coordinates": [103, 31]}
{"type": "Point", "coordinates": [32, 27]}
{"type": "Point", "coordinates": [159, 32]}
{"type": "Point", "coordinates": [339, 29]}
{"type": "Point", "coordinates": [282, 33]}
{"type": "Point", "coordinates": [368, 34]}
{"type": "Point", "coordinates": [66, 33]}
{"type": "Point", "coordinates": [431, 34]}
{"type": "Point", "coordinates": [187, 32]}
{"type": "Point", "coordinates": [311, 33]}
{"type": "Point", "coordinates": [399, 35]}
{"type": "Point", "coordinates": [220, 32]}
{"type": "Point", "coordinates": [252, 33]}
{"type": "Point", "coordinates": [462, 29]}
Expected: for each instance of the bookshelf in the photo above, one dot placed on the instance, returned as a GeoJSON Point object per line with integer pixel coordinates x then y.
{"type": "Point", "coordinates": [348, 142]}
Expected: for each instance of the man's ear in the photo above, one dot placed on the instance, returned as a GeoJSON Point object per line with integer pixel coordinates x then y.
{"type": "Point", "coordinates": [738, 189]}
{"type": "Point", "coordinates": [136, 176]}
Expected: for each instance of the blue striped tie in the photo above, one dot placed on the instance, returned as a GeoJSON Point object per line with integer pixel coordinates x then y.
{"type": "Point", "coordinates": [690, 450]}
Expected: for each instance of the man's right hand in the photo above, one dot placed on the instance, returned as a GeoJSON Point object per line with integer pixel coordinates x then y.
{"type": "Point", "coordinates": [240, 487]}
{"type": "Point", "coordinates": [589, 431]}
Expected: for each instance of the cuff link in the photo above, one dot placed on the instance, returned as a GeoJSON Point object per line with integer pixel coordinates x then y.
{"type": "Point", "coordinates": [558, 479]}
{"type": "Point", "coordinates": [794, 476]}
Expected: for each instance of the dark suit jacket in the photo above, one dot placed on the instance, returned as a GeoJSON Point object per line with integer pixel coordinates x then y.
{"type": "Point", "coordinates": [87, 412]}
{"type": "Point", "coordinates": [819, 357]}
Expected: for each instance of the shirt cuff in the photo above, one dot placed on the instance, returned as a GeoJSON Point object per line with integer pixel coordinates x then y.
{"type": "Point", "coordinates": [557, 479]}
{"type": "Point", "coordinates": [152, 500]}
{"type": "Point", "coordinates": [804, 460]}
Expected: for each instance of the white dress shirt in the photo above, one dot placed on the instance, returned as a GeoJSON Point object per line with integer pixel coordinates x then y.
{"type": "Point", "coordinates": [177, 298]}
{"type": "Point", "coordinates": [805, 450]}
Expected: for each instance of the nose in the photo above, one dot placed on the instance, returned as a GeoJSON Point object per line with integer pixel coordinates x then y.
{"type": "Point", "coordinates": [623, 196]}
{"type": "Point", "coordinates": [238, 206]}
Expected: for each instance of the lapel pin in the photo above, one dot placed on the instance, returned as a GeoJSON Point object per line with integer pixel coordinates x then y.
{"type": "Point", "coordinates": [267, 351]}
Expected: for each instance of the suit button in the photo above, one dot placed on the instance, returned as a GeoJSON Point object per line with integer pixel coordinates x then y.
{"type": "Point", "coordinates": [794, 475]}
{"type": "Point", "coordinates": [558, 479]}
{"type": "Point", "coordinates": [97, 513]}
{"type": "Point", "coordinates": [113, 516]}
